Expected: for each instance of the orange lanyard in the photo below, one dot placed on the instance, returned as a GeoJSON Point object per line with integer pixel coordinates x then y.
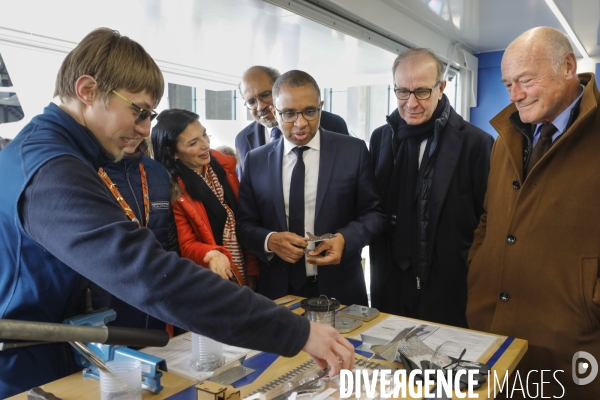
{"type": "Point", "coordinates": [113, 189]}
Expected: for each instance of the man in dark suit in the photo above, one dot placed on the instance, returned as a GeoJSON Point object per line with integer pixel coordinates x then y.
{"type": "Point", "coordinates": [312, 180]}
{"type": "Point", "coordinates": [431, 168]}
{"type": "Point", "coordinates": [256, 88]}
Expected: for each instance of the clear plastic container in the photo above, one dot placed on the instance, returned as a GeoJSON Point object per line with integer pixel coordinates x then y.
{"type": "Point", "coordinates": [124, 384]}
{"type": "Point", "coordinates": [207, 354]}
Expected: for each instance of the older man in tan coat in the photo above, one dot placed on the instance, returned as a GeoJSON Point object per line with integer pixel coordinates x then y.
{"type": "Point", "coordinates": [534, 262]}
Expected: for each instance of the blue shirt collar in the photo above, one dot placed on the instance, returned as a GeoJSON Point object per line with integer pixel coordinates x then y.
{"type": "Point", "coordinates": [559, 122]}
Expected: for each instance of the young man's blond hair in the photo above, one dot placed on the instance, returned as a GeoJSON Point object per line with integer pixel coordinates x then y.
{"type": "Point", "coordinates": [115, 62]}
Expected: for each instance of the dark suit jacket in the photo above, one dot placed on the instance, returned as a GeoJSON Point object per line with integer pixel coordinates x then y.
{"type": "Point", "coordinates": [453, 206]}
{"type": "Point", "coordinates": [347, 202]}
{"type": "Point", "coordinates": [253, 135]}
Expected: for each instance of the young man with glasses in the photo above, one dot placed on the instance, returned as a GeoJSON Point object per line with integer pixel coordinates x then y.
{"type": "Point", "coordinates": [256, 88]}
{"type": "Point", "coordinates": [431, 168]}
{"type": "Point", "coordinates": [60, 228]}
{"type": "Point", "coordinates": [312, 180]}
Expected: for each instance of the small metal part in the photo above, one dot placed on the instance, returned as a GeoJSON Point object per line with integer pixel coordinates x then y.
{"type": "Point", "coordinates": [37, 393]}
{"type": "Point", "coordinates": [347, 325]}
{"type": "Point", "coordinates": [90, 356]}
{"type": "Point", "coordinates": [88, 301]}
{"type": "Point", "coordinates": [359, 312]}
{"type": "Point", "coordinates": [389, 350]}
{"type": "Point", "coordinates": [231, 372]}
{"type": "Point", "coordinates": [286, 300]}
{"type": "Point", "coordinates": [309, 387]}
{"type": "Point", "coordinates": [312, 238]}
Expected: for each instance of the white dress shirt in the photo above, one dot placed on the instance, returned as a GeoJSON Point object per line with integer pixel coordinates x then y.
{"type": "Point", "coordinates": [267, 134]}
{"type": "Point", "coordinates": [311, 159]}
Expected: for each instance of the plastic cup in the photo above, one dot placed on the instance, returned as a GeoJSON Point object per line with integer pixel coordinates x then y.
{"type": "Point", "coordinates": [124, 384]}
{"type": "Point", "coordinates": [207, 354]}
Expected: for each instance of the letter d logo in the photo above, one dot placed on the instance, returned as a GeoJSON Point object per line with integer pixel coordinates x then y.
{"type": "Point", "coordinates": [583, 367]}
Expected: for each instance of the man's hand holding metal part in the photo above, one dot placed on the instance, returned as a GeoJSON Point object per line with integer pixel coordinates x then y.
{"type": "Point", "coordinates": [332, 245]}
{"type": "Point", "coordinates": [287, 245]}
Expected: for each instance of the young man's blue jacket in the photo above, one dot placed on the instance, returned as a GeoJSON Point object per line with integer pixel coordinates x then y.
{"type": "Point", "coordinates": [60, 224]}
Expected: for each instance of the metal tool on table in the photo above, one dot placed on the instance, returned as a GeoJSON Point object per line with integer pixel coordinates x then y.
{"type": "Point", "coordinates": [346, 325]}
{"type": "Point", "coordinates": [89, 355]}
{"type": "Point", "coordinates": [389, 350]}
{"type": "Point", "coordinates": [231, 372]}
{"type": "Point", "coordinates": [362, 313]}
{"type": "Point", "coordinates": [286, 300]}
{"type": "Point", "coordinates": [151, 365]}
{"type": "Point", "coordinates": [37, 393]}
{"type": "Point", "coordinates": [105, 342]}
{"type": "Point", "coordinates": [314, 385]}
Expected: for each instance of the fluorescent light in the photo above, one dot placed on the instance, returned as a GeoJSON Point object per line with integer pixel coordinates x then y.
{"type": "Point", "coordinates": [567, 28]}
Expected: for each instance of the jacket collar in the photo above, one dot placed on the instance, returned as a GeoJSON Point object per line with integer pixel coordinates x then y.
{"type": "Point", "coordinates": [508, 119]}
{"type": "Point", "coordinates": [512, 130]}
{"type": "Point", "coordinates": [81, 136]}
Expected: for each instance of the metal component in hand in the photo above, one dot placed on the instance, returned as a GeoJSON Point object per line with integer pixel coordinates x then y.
{"type": "Point", "coordinates": [312, 238]}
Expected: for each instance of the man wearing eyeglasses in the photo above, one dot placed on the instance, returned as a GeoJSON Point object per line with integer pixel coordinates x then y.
{"type": "Point", "coordinates": [61, 228]}
{"type": "Point", "coordinates": [312, 180]}
{"type": "Point", "coordinates": [431, 168]}
{"type": "Point", "coordinates": [256, 88]}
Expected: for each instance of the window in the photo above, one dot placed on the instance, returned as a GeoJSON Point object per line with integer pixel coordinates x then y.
{"type": "Point", "coordinates": [182, 97]}
{"type": "Point", "coordinates": [220, 104]}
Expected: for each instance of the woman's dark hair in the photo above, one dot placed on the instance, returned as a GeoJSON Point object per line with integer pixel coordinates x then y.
{"type": "Point", "coordinates": [171, 123]}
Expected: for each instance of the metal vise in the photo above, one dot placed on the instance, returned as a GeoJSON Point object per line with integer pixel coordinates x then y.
{"type": "Point", "coordinates": [150, 364]}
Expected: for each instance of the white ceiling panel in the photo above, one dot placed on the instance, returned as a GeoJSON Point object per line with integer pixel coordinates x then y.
{"type": "Point", "coordinates": [217, 38]}
{"type": "Point", "coordinates": [490, 25]}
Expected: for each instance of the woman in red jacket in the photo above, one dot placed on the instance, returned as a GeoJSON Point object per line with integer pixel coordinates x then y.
{"type": "Point", "coordinates": [204, 190]}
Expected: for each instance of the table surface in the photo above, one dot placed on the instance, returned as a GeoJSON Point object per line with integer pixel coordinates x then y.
{"type": "Point", "coordinates": [77, 387]}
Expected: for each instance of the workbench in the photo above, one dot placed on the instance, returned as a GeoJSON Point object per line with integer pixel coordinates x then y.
{"type": "Point", "coordinates": [503, 355]}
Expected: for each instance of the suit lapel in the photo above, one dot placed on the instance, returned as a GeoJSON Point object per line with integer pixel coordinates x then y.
{"type": "Point", "coordinates": [255, 136]}
{"type": "Point", "coordinates": [259, 136]}
{"type": "Point", "coordinates": [514, 139]}
{"type": "Point", "coordinates": [275, 165]}
{"type": "Point", "coordinates": [445, 165]}
{"type": "Point", "coordinates": [326, 162]}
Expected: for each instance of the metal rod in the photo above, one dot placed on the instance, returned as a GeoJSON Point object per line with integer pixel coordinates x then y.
{"type": "Point", "coordinates": [6, 346]}
{"type": "Point", "coordinates": [50, 332]}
